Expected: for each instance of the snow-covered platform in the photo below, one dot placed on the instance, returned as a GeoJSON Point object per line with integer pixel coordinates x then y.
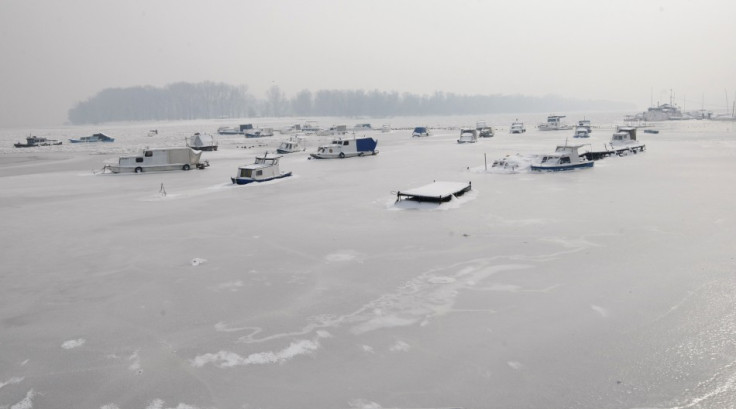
{"type": "Point", "coordinates": [437, 192]}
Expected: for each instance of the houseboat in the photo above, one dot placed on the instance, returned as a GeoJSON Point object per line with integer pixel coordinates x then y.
{"type": "Point", "coordinates": [346, 148]}
{"type": "Point", "coordinates": [202, 142]}
{"type": "Point", "coordinates": [565, 157]}
{"type": "Point", "coordinates": [159, 159]}
{"type": "Point", "coordinates": [435, 192]}
{"type": "Point", "coordinates": [585, 123]}
{"type": "Point", "coordinates": [264, 169]}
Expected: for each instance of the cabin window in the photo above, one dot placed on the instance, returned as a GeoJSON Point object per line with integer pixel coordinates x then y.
{"type": "Point", "coordinates": [565, 159]}
{"type": "Point", "coordinates": [138, 160]}
{"type": "Point", "coordinates": [149, 154]}
{"type": "Point", "coordinates": [259, 172]}
{"type": "Point", "coordinates": [245, 173]}
{"type": "Point", "coordinates": [345, 143]}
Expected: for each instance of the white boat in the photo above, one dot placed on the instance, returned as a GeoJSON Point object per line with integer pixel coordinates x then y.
{"type": "Point", "coordinates": [334, 130]}
{"type": "Point", "coordinates": [511, 164]}
{"type": "Point", "coordinates": [228, 130]}
{"type": "Point", "coordinates": [264, 169]}
{"type": "Point", "coordinates": [484, 131]}
{"type": "Point", "coordinates": [152, 132]}
{"type": "Point", "coordinates": [202, 142]}
{"type": "Point", "coordinates": [294, 144]}
{"type": "Point", "coordinates": [468, 135]}
{"type": "Point", "coordinates": [624, 141]}
{"type": "Point", "coordinates": [258, 133]}
{"type": "Point", "coordinates": [310, 127]}
{"type": "Point", "coordinates": [420, 131]}
{"type": "Point", "coordinates": [517, 127]}
{"type": "Point", "coordinates": [581, 132]}
{"type": "Point", "coordinates": [159, 159]}
{"type": "Point", "coordinates": [554, 123]}
{"type": "Point", "coordinates": [386, 128]}
{"type": "Point", "coordinates": [290, 129]}
{"type": "Point", "coordinates": [585, 123]}
{"type": "Point", "coordinates": [346, 148]}
{"type": "Point", "coordinates": [565, 157]}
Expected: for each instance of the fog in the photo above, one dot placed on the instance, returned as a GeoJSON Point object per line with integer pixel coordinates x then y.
{"type": "Point", "coordinates": [56, 54]}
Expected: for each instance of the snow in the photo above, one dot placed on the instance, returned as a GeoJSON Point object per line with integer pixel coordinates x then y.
{"type": "Point", "coordinates": [610, 287]}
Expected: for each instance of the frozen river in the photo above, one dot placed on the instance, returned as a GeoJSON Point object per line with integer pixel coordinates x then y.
{"type": "Point", "coordinates": [611, 287]}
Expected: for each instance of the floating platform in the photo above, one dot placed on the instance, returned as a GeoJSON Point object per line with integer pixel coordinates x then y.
{"type": "Point", "coordinates": [436, 192]}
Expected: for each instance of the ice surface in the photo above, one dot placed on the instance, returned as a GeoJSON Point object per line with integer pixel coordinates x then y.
{"type": "Point", "coordinates": [610, 287]}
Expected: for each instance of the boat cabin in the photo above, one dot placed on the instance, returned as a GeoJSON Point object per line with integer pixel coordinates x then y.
{"type": "Point", "coordinates": [468, 135]}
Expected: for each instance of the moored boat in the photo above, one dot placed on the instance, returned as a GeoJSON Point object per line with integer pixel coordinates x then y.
{"type": "Point", "coordinates": [33, 141]}
{"type": "Point", "coordinates": [554, 123]}
{"type": "Point", "coordinates": [581, 132]}
{"type": "Point", "coordinates": [484, 131]}
{"type": "Point", "coordinates": [202, 142]}
{"type": "Point", "coordinates": [294, 144]}
{"type": "Point", "coordinates": [346, 148]}
{"type": "Point", "coordinates": [517, 127]}
{"type": "Point", "coordinates": [98, 137]}
{"type": "Point", "coordinates": [565, 157]}
{"type": "Point", "coordinates": [420, 131]}
{"type": "Point", "coordinates": [468, 135]}
{"type": "Point", "coordinates": [264, 168]}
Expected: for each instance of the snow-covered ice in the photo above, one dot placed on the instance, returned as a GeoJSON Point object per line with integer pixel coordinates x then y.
{"type": "Point", "coordinates": [611, 287]}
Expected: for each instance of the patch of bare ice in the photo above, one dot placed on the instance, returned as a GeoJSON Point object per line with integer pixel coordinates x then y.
{"type": "Point", "coordinates": [226, 359]}
{"type": "Point", "coordinates": [73, 343]}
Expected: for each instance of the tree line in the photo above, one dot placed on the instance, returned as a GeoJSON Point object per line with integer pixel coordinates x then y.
{"type": "Point", "coordinates": [180, 101]}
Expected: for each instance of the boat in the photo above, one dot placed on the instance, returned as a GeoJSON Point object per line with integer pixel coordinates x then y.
{"type": "Point", "coordinates": [228, 130]}
{"type": "Point", "coordinates": [652, 131]}
{"type": "Point", "coordinates": [152, 132]}
{"type": "Point", "coordinates": [202, 142]}
{"type": "Point", "coordinates": [554, 123]}
{"type": "Point", "coordinates": [585, 123]}
{"type": "Point", "coordinates": [420, 131]}
{"type": "Point", "coordinates": [33, 141]}
{"type": "Point", "coordinates": [264, 169]}
{"type": "Point", "coordinates": [468, 135]}
{"type": "Point", "coordinates": [294, 144]}
{"type": "Point", "coordinates": [565, 157]}
{"type": "Point", "coordinates": [289, 129]}
{"type": "Point", "coordinates": [623, 142]}
{"type": "Point", "coordinates": [98, 137]}
{"type": "Point", "coordinates": [517, 127]}
{"type": "Point", "coordinates": [346, 148]}
{"type": "Point", "coordinates": [484, 131]}
{"type": "Point", "coordinates": [334, 130]}
{"type": "Point", "coordinates": [159, 159]}
{"type": "Point", "coordinates": [436, 192]}
{"type": "Point", "coordinates": [386, 128]}
{"type": "Point", "coordinates": [310, 127]}
{"type": "Point", "coordinates": [581, 132]}
{"type": "Point", "coordinates": [510, 164]}
{"type": "Point", "coordinates": [258, 133]}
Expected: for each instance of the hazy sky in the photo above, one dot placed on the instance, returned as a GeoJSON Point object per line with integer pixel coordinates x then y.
{"type": "Point", "coordinates": [57, 53]}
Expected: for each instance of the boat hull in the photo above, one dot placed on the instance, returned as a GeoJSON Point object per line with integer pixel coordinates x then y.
{"type": "Point", "coordinates": [558, 168]}
{"type": "Point", "coordinates": [157, 168]}
{"type": "Point", "coordinates": [245, 181]}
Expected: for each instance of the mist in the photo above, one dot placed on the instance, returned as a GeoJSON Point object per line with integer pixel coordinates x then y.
{"type": "Point", "coordinates": [60, 53]}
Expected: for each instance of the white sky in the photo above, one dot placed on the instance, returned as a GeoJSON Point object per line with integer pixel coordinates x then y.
{"type": "Point", "coordinates": [57, 53]}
